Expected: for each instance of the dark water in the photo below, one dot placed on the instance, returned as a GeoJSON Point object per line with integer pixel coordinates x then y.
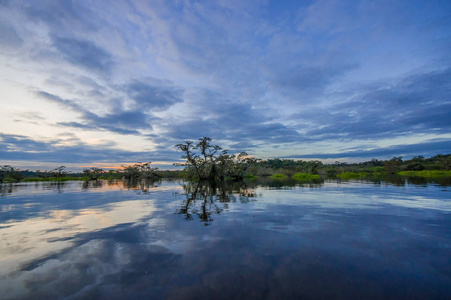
{"type": "Point", "coordinates": [254, 240]}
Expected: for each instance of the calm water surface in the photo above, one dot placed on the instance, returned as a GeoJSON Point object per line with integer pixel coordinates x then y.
{"type": "Point", "coordinates": [254, 240]}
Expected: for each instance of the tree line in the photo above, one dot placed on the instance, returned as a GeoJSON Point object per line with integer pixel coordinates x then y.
{"type": "Point", "coordinates": [138, 171]}
{"type": "Point", "coordinates": [205, 161]}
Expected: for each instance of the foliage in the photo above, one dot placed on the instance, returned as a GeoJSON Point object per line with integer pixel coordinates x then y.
{"type": "Point", "coordinates": [139, 171]}
{"type": "Point", "coordinates": [207, 162]}
{"type": "Point", "coordinates": [10, 174]}
{"type": "Point", "coordinates": [425, 174]}
{"type": "Point", "coordinates": [112, 174]}
{"type": "Point", "coordinates": [393, 165]}
{"type": "Point", "coordinates": [250, 176]}
{"type": "Point", "coordinates": [93, 173]}
{"type": "Point", "coordinates": [287, 166]}
{"type": "Point", "coordinates": [59, 172]}
{"type": "Point", "coordinates": [279, 176]}
{"type": "Point", "coordinates": [305, 176]}
{"type": "Point", "coordinates": [43, 174]}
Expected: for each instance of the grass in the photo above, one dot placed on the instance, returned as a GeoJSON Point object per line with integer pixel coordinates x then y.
{"type": "Point", "coordinates": [426, 173]}
{"type": "Point", "coordinates": [279, 176]}
{"type": "Point", "coordinates": [250, 176]}
{"type": "Point", "coordinates": [379, 175]}
{"type": "Point", "coordinates": [305, 176]}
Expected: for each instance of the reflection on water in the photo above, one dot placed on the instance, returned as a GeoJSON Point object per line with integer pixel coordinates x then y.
{"type": "Point", "coordinates": [6, 189]}
{"type": "Point", "coordinates": [206, 198]}
{"type": "Point", "coordinates": [270, 239]}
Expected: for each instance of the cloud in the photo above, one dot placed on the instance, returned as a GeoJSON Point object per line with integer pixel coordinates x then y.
{"type": "Point", "coordinates": [70, 150]}
{"type": "Point", "coordinates": [119, 121]}
{"type": "Point", "coordinates": [9, 39]}
{"type": "Point", "coordinates": [415, 104]}
{"type": "Point", "coordinates": [309, 78]}
{"type": "Point", "coordinates": [84, 53]}
{"type": "Point", "coordinates": [116, 257]}
{"type": "Point", "coordinates": [427, 148]}
{"type": "Point", "coordinates": [222, 119]}
{"type": "Point", "coordinates": [63, 17]}
{"type": "Point", "coordinates": [270, 74]}
{"type": "Point", "coordinates": [155, 95]}
{"type": "Point", "coordinates": [14, 143]}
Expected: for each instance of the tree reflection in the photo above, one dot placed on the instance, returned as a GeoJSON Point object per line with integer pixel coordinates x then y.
{"type": "Point", "coordinates": [401, 181]}
{"type": "Point", "coordinates": [141, 185]}
{"type": "Point", "coordinates": [206, 198]}
{"type": "Point", "coordinates": [57, 186]}
{"type": "Point", "coordinates": [92, 184]}
{"type": "Point", "coordinates": [6, 189]}
{"type": "Point", "coordinates": [288, 183]}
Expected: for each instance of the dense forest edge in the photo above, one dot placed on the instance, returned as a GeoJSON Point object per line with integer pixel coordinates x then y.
{"type": "Point", "coordinates": [204, 161]}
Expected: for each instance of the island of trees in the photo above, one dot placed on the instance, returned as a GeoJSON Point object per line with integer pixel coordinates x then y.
{"type": "Point", "coordinates": [204, 161]}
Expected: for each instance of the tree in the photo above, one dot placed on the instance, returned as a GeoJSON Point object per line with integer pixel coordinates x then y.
{"type": "Point", "coordinates": [204, 162]}
{"type": "Point", "coordinates": [393, 165]}
{"type": "Point", "coordinates": [446, 162]}
{"type": "Point", "coordinates": [93, 173]}
{"type": "Point", "coordinates": [43, 174]}
{"type": "Point", "coordinates": [146, 171]}
{"type": "Point", "coordinates": [59, 172]}
{"type": "Point", "coordinates": [415, 164]}
{"type": "Point", "coordinates": [9, 172]}
{"type": "Point", "coordinates": [139, 171]}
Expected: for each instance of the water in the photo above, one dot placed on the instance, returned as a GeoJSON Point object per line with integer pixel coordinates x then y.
{"type": "Point", "coordinates": [254, 240]}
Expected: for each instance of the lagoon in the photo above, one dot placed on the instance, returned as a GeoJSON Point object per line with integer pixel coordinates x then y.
{"type": "Point", "coordinates": [257, 239]}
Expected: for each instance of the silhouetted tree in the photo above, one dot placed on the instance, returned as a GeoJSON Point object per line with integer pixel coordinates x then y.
{"type": "Point", "coordinates": [415, 164]}
{"type": "Point", "coordinates": [93, 173]}
{"type": "Point", "coordinates": [59, 172]}
{"type": "Point", "coordinates": [139, 171]}
{"type": "Point", "coordinates": [393, 165]}
{"type": "Point", "coordinates": [203, 161]}
{"type": "Point", "coordinates": [10, 172]}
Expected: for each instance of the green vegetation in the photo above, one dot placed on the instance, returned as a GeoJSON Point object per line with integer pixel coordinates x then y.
{"type": "Point", "coordinates": [279, 176]}
{"type": "Point", "coordinates": [305, 176]}
{"type": "Point", "coordinates": [204, 161]}
{"type": "Point", "coordinates": [10, 174]}
{"type": "Point", "coordinates": [139, 171]}
{"type": "Point", "coordinates": [426, 174]}
{"type": "Point", "coordinates": [289, 167]}
{"type": "Point", "coordinates": [209, 162]}
{"type": "Point", "coordinates": [93, 173]}
{"type": "Point", "coordinates": [250, 176]}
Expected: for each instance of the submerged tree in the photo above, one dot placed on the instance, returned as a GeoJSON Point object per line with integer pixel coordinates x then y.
{"type": "Point", "coordinates": [204, 162]}
{"type": "Point", "coordinates": [139, 171]}
{"type": "Point", "coordinates": [59, 172]}
{"type": "Point", "coordinates": [9, 172]}
{"type": "Point", "coordinates": [93, 173]}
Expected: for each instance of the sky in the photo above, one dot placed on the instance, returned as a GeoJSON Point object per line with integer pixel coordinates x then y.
{"type": "Point", "coordinates": [106, 83]}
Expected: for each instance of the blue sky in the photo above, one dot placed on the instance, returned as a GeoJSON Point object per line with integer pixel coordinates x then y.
{"type": "Point", "coordinates": [106, 83]}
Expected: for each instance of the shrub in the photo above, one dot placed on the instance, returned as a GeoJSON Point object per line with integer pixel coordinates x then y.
{"type": "Point", "coordinates": [426, 174]}
{"type": "Point", "coordinates": [279, 176]}
{"type": "Point", "coordinates": [305, 176]}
